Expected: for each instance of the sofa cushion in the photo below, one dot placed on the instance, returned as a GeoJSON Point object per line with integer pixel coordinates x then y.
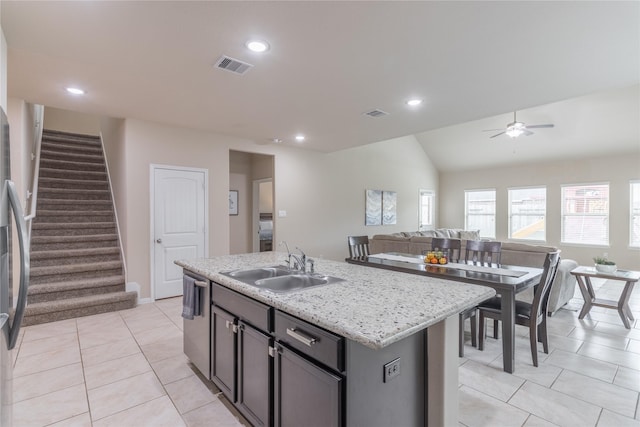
{"type": "Point", "coordinates": [470, 234]}
{"type": "Point", "coordinates": [395, 236]}
{"type": "Point", "coordinates": [428, 233]}
{"type": "Point", "coordinates": [442, 232]}
{"type": "Point", "coordinates": [411, 233]}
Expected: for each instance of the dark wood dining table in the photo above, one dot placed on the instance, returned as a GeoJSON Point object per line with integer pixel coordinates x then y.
{"type": "Point", "coordinates": [507, 280]}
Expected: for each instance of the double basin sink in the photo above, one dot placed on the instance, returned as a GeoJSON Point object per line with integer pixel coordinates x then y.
{"type": "Point", "coordinates": [279, 278]}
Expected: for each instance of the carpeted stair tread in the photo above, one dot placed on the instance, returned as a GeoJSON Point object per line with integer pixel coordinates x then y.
{"type": "Point", "coordinates": [73, 174]}
{"type": "Point", "coordinates": [78, 307]}
{"type": "Point", "coordinates": [50, 225]}
{"type": "Point", "coordinates": [68, 239]}
{"type": "Point", "coordinates": [75, 268]}
{"type": "Point", "coordinates": [66, 183]}
{"type": "Point", "coordinates": [73, 253]}
{"type": "Point", "coordinates": [74, 194]}
{"type": "Point", "coordinates": [70, 137]}
{"type": "Point", "coordinates": [73, 203]}
{"type": "Point", "coordinates": [77, 284]}
{"type": "Point", "coordinates": [56, 154]}
{"type": "Point", "coordinates": [60, 148]}
{"type": "Point", "coordinates": [67, 165]}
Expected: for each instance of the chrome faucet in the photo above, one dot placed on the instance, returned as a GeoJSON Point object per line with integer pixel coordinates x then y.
{"type": "Point", "coordinates": [299, 261]}
{"type": "Point", "coordinates": [289, 255]}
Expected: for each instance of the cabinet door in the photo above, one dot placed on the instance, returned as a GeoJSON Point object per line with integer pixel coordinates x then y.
{"type": "Point", "coordinates": [305, 394]}
{"type": "Point", "coordinates": [223, 351]}
{"type": "Point", "coordinates": [255, 375]}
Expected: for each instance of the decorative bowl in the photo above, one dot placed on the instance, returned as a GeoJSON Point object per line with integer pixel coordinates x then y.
{"type": "Point", "coordinates": [603, 268]}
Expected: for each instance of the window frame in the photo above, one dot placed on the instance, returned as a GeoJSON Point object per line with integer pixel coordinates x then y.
{"type": "Point", "coordinates": [432, 197]}
{"type": "Point", "coordinates": [494, 214]}
{"type": "Point", "coordinates": [633, 183]}
{"type": "Point", "coordinates": [607, 229]}
{"type": "Point", "coordinates": [510, 214]}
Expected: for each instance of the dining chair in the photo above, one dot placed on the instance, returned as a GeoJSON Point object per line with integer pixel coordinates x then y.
{"type": "Point", "coordinates": [483, 253]}
{"type": "Point", "coordinates": [358, 246]}
{"type": "Point", "coordinates": [532, 315]}
{"type": "Point", "coordinates": [478, 252]}
{"type": "Point", "coordinates": [452, 246]}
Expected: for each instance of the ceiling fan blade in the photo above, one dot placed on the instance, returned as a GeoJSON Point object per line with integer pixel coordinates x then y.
{"type": "Point", "coordinates": [539, 126]}
{"type": "Point", "coordinates": [497, 134]}
{"type": "Point", "coordinates": [492, 130]}
{"type": "Point", "coordinates": [527, 132]}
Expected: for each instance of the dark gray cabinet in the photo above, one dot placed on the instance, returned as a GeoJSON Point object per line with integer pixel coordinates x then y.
{"type": "Point", "coordinates": [305, 393]}
{"type": "Point", "coordinates": [241, 364]}
{"type": "Point", "coordinates": [255, 367]}
{"type": "Point", "coordinates": [223, 351]}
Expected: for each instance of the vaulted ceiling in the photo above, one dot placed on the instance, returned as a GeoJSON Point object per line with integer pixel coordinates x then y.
{"type": "Point", "coordinates": [573, 64]}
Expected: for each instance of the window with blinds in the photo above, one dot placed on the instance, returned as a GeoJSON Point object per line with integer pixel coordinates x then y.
{"type": "Point", "coordinates": [585, 214]}
{"type": "Point", "coordinates": [527, 213]}
{"type": "Point", "coordinates": [634, 227]}
{"type": "Point", "coordinates": [427, 208]}
{"type": "Point", "coordinates": [480, 211]}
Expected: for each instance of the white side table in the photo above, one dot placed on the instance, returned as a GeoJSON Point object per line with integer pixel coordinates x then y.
{"type": "Point", "coordinates": [584, 275]}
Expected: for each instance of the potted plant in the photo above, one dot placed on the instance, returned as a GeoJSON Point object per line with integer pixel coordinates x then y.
{"type": "Point", "coordinates": [603, 265]}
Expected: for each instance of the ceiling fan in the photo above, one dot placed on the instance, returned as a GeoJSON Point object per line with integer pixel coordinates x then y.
{"type": "Point", "coordinates": [516, 128]}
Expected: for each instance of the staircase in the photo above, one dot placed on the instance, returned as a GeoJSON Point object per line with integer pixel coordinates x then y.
{"type": "Point", "coordinates": [76, 265]}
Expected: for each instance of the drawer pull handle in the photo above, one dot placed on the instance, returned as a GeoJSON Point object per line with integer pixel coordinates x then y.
{"type": "Point", "coordinates": [201, 283]}
{"type": "Point", "coordinates": [302, 337]}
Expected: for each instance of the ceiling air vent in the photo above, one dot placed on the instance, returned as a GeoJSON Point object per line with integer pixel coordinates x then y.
{"type": "Point", "coordinates": [376, 113]}
{"type": "Point", "coordinates": [233, 65]}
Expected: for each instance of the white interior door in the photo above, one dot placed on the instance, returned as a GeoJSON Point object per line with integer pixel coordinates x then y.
{"type": "Point", "coordinates": [179, 223]}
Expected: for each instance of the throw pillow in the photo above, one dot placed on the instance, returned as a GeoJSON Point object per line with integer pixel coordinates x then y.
{"type": "Point", "coordinates": [470, 234]}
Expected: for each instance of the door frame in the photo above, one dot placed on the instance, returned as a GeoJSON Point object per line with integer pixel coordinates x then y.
{"type": "Point", "coordinates": [152, 192]}
{"type": "Point", "coordinates": [255, 215]}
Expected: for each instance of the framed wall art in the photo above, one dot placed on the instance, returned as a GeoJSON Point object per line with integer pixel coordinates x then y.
{"type": "Point", "coordinates": [233, 202]}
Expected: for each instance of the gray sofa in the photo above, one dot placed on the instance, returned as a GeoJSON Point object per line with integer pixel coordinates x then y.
{"type": "Point", "coordinates": [524, 254]}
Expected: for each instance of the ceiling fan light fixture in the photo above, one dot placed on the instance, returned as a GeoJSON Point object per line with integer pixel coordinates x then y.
{"type": "Point", "coordinates": [515, 129]}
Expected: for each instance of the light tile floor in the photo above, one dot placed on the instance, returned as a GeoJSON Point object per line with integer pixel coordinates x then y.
{"type": "Point", "coordinates": [115, 369]}
{"type": "Point", "coordinates": [127, 369]}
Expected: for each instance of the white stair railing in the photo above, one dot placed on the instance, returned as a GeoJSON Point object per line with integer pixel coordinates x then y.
{"type": "Point", "coordinates": [32, 196]}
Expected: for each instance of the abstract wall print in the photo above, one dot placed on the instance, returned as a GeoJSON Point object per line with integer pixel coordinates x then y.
{"type": "Point", "coordinates": [389, 207]}
{"type": "Point", "coordinates": [373, 208]}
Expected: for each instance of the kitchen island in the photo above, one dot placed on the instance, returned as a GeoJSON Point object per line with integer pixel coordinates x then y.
{"type": "Point", "coordinates": [392, 339]}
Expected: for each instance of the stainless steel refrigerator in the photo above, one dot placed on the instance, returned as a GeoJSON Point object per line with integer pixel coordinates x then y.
{"type": "Point", "coordinates": [10, 319]}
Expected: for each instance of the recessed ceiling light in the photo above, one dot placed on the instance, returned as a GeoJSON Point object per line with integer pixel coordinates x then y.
{"type": "Point", "coordinates": [75, 91]}
{"type": "Point", "coordinates": [257, 46]}
{"type": "Point", "coordinates": [414, 102]}
{"type": "Point", "coordinates": [299, 138]}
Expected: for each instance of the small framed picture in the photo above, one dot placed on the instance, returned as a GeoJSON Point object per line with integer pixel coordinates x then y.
{"type": "Point", "coordinates": [233, 202]}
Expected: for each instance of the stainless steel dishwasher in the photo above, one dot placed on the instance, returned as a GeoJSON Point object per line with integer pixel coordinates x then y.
{"type": "Point", "coordinates": [197, 332]}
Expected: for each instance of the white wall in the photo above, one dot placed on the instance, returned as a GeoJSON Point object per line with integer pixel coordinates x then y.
{"type": "Point", "coordinates": [618, 171]}
{"type": "Point", "coordinates": [323, 194]}
{"type": "Point", "coordinates": [71, 121]}
{"type": "Point", "coordinates": [3, 70]}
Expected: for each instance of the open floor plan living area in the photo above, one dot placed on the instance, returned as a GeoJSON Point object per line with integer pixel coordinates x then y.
{"type": "Point", "coordinates": [319, 213]}
{"type": "Point", "coordinates": [128, 368]}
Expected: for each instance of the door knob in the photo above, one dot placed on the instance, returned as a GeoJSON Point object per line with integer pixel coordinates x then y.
{"type": "Point", "coordinates": [159, 241]}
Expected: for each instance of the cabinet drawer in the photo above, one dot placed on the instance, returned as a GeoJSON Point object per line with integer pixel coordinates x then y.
{"type": "Point", "coordinates": [251, 311]}
{"type": "Point", "coordinates": [310, 340]}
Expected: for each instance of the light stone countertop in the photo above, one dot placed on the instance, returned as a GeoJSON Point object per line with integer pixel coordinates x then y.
{"type": "Point", "coordinates": [372, 306]}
